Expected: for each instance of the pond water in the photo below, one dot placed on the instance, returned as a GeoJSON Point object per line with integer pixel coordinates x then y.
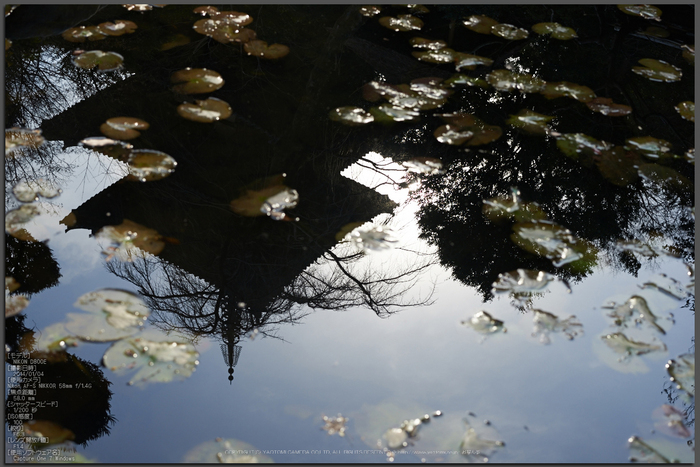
{"type": "Point", "coordinates": [437, 244]}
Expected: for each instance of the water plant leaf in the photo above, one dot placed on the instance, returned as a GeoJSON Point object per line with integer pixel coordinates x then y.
{"type": "Point", "coordinates": [682, 372]}
{"type": "Point", "coordinates": [667, 285]}
{"type": "Point", "coordinates": [158, 358]}
{"type": "Point", "coordinates": [546, 323]}
{"type": "Point", "coordinates": [104, 61]}
{"type": "Point", "coordinates": [28, 191]}
{"type": "Point", "coordinates": [424, 165]}
{"type": "Point", "coordinates": [460, 78]}
{"type": "Point", "coordinates": [334, 425]}
{"type": "Point", "coordinates": [113, 148]}
{"type": "Point", "coordinates": [557, 243]}
{"type": "Point", "coordinates": [55, 338]}
{"type": "Point", "coordinates": [521, 284]}
{"type": "Point", "coordinates": [452, 134]}
{"type": "Point", "coordinates": [617, 165]}
{"type": "Point", "coordinates": [17, 219]}
{"type": "Point", "coordinates": [123, 128]}
{"type": "Point", "coordinates": [460, 125]}
{"type": "Point", "coordinates": [470, 62]}
{"type": "Point", "coordinates": [442, 55]}
{"type": "Point", "coordinates": [268, 196]}
{"type": "Point", "coordinates": [374, 237]}
{"type": "Point", "coordinates": [687, 110]}
{"type": "Point", "coordinates": [689, 53]}
{"type": "Point", "coordinates": [556, 30]}
{"type": "Point", "coordinates": [147, 165]}
{"type": "Point", "coordinates": [623, 345]}
{"type": "Point", "coordinates": [479, 23]}
{"type": "Point", "coordinates": [669, 420]}
{"type": "Point", "coordinates": [480, 447]}
{"type": "Point", "coordinates": [260, 49]}
{"type": "Point", "coordinates": [127, 236]}
{"type": "Point", "coordinates": [225, 451]}
{"type": "Point", "coordinates": [16, 138]}
{"type": "Point", "coordinates": [635, 310]}
{"type": "Point", "coordinates": [665, 176]}
{"type": "Point", "coordinates": [430, 44]}
{"type": "Point", "coordinates": [483, 323]}
{"type": "Point", "coordinates": [401, 23]}
{"type": "Point", "coordinates": [196, 81]}
{"type": "Point", "coordinates": [606, 106]}
{"type": "Point", "coordinates": [512, 207]}
{"type": "Point", "coordinates": [566, 89]}
{"type": "Point", "coordinates": [643, 11]}
{"type": "Point", "coordinates": [581, 147]}
{"type": "Point", "coordinates": [506, 80]}
{"type": "Point", "coordinates": [83, 33]}
{"type": "Point", "coordinates": [389, 112]}
{"type": "Point", "coordinates": [370, 10]}
{"type": "Point", "coordinates": [14, 304]}
{"type": "Point", "coordinates": [350, 115]}
{"type": "Point", "coordinates": [508, 31]}
{"type": "Point", "coordinates": [658, 70]}
{"type": "Point", "coordinates": [206, 10]}
{"type": "Point", "coordinates": [206, 111]}
{"type": "Point", "coordinates": [530, 121]}
{"type": "Point", "coordinates": [117, 28]}
{"type": "Point", "coordinates": [642, 452]}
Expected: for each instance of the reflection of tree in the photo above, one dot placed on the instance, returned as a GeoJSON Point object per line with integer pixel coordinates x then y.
{"type": "Point", "coordinates": [31, 264]}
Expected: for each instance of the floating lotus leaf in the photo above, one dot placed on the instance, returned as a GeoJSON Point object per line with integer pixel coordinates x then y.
{"type": "Point", "coordinates": [142, 6]}
{"type": "Point", "coordinates": [260, 49]}
{"type": "Point", "coordinates": [104, 61]}
{"type": "Point", "coordinates": [460, 125]}
{"type": "Point", "coordinates": [606, 106]}
{"type": "Point", "coordinates": [417, 8]}
{"type": "Point", "coordinates": [129, 235]}
{"type": "Point", "coordinates": [346, 229]}
{"type": "Point", "coordinates": [232, 17]}
{"type": "Point", "coordinates": [442, 55]}
{"type": "Point", "coordinates": [483, 323]}
{"type": "Point", "coordinates": [682, 372]}
{"type": "Point", "coordinates": [118, 28]}
{"type": "Point", "coordinates": [480, 24]}
{"type": "Point", "coordinates": [123, 128]}
{"type": "Point", "coordinates": [655, 31]}
{"type": "Point", "coordinates": [452, 134]}
{"type": "Point", "coordinates": [470, 62]}
{"type": "Point", "coordinates": [112, 314]}
{"type": "Point", "coordinates": [658, 70]}
{"type": "Point", "coordinates": [635, 310]}
{"type": "Point", "coordinates": [225, 451]}
{"type": "Point", "coordinates": [565, 89]}
{"type": "Point", "coordinates": [554, 242]}
{"type": "Point", "coordinates": [687, 110]}
{"type": "Point", "coordinates": [424, 165]}
{"type": "Point", "coordinates": [644, 11]}
{"type": "Point", "coordinates": [648, 146]}
{"type": "Point", "coordinates": [175, 41]}
{"type": "Point", "coordinates": [206, 111]}
{"type": "Point", "coordinates": [641, 451]}
{"type": "Point", "coordinates": [275, 205]}
{"type": "Point", "coordinates": [512, 207]}
{"type": "Point", "coordinates": [16, 219]}
{"type": "Point", "coordinates": [669, 420]}
{"type": "Point", "coordinates": [401, 23]}
{"type": "Point", "coordinates": [83, 33]}
{"type": "Point", "coordinates": [16, 138]}
{"type": "Point", "coordinates": [430, 44]}
{"type": "Point", "coordinates": [334, 425]}
{"type": "Point", "coordinates": [44, 433]}
{"type": "Point", "coordinates": [55, 338]}
{"type": "Point", "coordinates": [146, 165]}
{"type": "Point", "coordinates": [530, 121]}
{"type": "Point", "coordinates": [546, 323]}
{"type": "Point", "coordinates": [158, 358]}
{"type": "Point", "coordinates": [689, 53]}
{"type": "Point", "coordinates": [29, 191]}
{"type": "Point", "coordinates": [11, 284]}
{"type": "Point", "coordinates": [459, 78]}
{"type": "Point", "coordinates": [576, 145]}
{"type": "Point", "coordinates": [370, 10]}
{"type": "Point", "coordinates": [226, 26]}
{"type": "Point", "coordinates": [267, 196]}
{"type": "Point", "coordinates": [115, 149]}
{"type": "Point", "coordinates": [668, 286]}
{"type": "Point", "coordinates": [352, 116]}
{"type": "Point", "coordinates": [480, 446]}
{"type": "Point", "coordinates": [508, 31]}
{"type": "Point", "coordinates": [506, 80]}
{"type": "Point", "coordinates": [206, 10]}
{"type": "Point", "coordinates": [556, 30]}
{"type": "Point", "coordinates": [14, 304]}
{"type": "Point", "coordinates": [665, 176]}
{"type": "Point", "coordinates": [617, 165]}
{"type": "Point", "coordinates": [623, 345]}
{"type": "Point", "coordinates": [393, 113]}
{"type": "Point", "coordinates": [374, 237]}
{"type": "Point", "coordinates": [196, 81]}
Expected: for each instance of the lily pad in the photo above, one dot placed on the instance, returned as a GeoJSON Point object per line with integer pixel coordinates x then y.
{"type": "Point", "coordinates": [460, 125]}
{"type": "Point", "coordinates": [346, 229]}
{"type": "Point", "coordinates": [275, 205]}
{"type": "Point", "coordinates": [104, 61]}
{"type": "Point", "coordinates": [689, 53]}
{"type": "Point", "coordinates": [128, 236]}
{"type": "Point", "coordinates": [268, 196]}
{"type": "Point", "coordinates": [470, 62]}
{"type": "Point", "coordinates": [401, 23]}
{"type": "Point", "coordinates": [556, 30]}
{"type": "Point", "coordinates": [118, 28]}
{"type": "Point", "coordinates": [442, 55]}
{"type": "Point", "coordinates": [648, 146]}
{"type": "Point", "coordinates": [554, 242]}
{"type": "Point", "coordinates": [424, 165]}
{"type": "Point", "coordinates": [206, 10]}
{"type": "Point", "coordinates": [146, 165]}
{"type": "Point", "coordinates": [669, 420]}
{"type": "Point", "coordinates": [566, 89]}
{"type": "Point", "coordinates": [393, 113]}
{"type": "Point", "coordinates": [334, 425]}
{"type": "Point", "coordinates": [260, 49]}
{"type": "Point", "coordinates": [642, 452]}
{"type": "Point", "coordinates": [370, 10]}
{"type": "Point", "coordinates": [606, 106]}
{"type": "Point", "coordinates": [531, 122]}
{"type": "Point", "coordinates": [55, 338]}
{"type": "Point", "coordinates": [521, 284]}
{"type": "Point", "coordinates": [452, 134]}
{"type": "Point", "coordinates": [510, 32]}
{"type": "Point", "coordinates": [623, 345]}
{"type": "Point", "coordinates": [635, 310]}
{"type": "Point", "coordinates": [29, 191]}
{"type": "Point", "coordinates": [158, 358]}
{"type": "Point", "coordinates": [687, 110]}
{"type": "Point", "coordinates": [460, 78]}
{"type": "Point", "coordinates": [643, 11]}
{"type": "Point", "coordinates": [665, 176]}
{"type": "Point", "coordinates": [14, 304]}
{"type": "Point", "coordinates": [480, 446]}
{"type": "Point", "coordinates": [209, 110]}
{"type": "Point", "coordinates": [350, 115]}
{"type": "Point", "coordinates": [668, 286]}
{"type": "Point", "coordinates": [225, 451]}
{"type": "Point", "coordinates": [483, 323]}
{"type": "Point", "coordinates": [512, 207]}
{"type": "Point", "coordinates": [123, 128]}
{"type": "Point", "coordinates": [374, 237]}
{"type": "Point", "coordinates": [581, 147]}
{"type": "Point", "coordinates": [113, 148]}
{"type": "Point", "coordinates": [658, 70]}
{"type": "Point", "coordinates": [16, 138]}
{"type": "Point", "coordinates": [480, 24]}
{"type": "Point", "coordinates": [682, 372]}
{"type": "Point", "coordinates": [83, 33]}
{"type": "Point", "coordinates": [17, 219]}
{"type": "Point", "coordinates": [547, 323]}
{"type": "Point", "coordinates": [617, 165]}
{"type": "Point", "coordinates": [429, 44]}
{"type": "Point", "coordinates": [196, 81]}
{"type": "Point", "coordinates": [506, 80]}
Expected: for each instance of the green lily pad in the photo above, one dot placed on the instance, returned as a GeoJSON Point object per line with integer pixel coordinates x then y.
{"type": "Point", "coordinates": [104, 61]}
{"type": "Point", "coordinates": [429, 44]}
{"type": "Point", "coordinates": [546, 323]}
{"type": "Point", "coordinates": [556, 30]}
{"type": "Point", "coordinates": [260, 49]}
{"type": "Point", "coordinates": [224, 26]}
{"type": "Point", "coordinates": [389, 112]}
{"type": "Point", "coordinates": [458, 127]}
{"type": "Point", "coordinates": [581, 147]}
{"type": "Point", "coordinates": [196, 81]}
{"type": "Point", "coordinates": [648, 146]}
{"type": "Point", "coordinates": [30, 190]}
{"type": "Point", "coordinates": [483, 323]}
{"type": "Point", "coordinates": [206, 111]}
{"type": "Point", "coordinates": [401, 23]}
{"type": "Point", "coordinates": [565, 89]}
{"type": "Point", "coordinates": [55, 338]}
{"type": "Point", "coordinates": [554, 242]}
{"type": "Point", "coordinates": [350, 115]}
{"type": "Point", "coordinates": [123, 128]}
{"type": "Point", "coordinates": [643, 11]}
{"type": "Point", "coordinates": [158, 358]}
{"type": "Point", "coordinates": [506, 80]}
{"type": "Point", "coordinates": [83, 33]}
{"type": "Point", "coordinates": [623, 345]}
{"type": "Point", "coordinates": [16, 138]}
{"type": "Point", "coordinates": [512, 207]}
{"type": "Point", "coordinates": [508, 31]}
{"type": "Point", "coordinates": [458, 79]}
{"type": "Point", "coordinates": [452, 134]}
{"type": "Point", "coordinates": [480, 24]}
{"type": "Point", "coordinates": [443, 55]}
{"type": "Point", "coordinates": [531, 122]}
{"type": "Point", "coordinates": [658, 70]}
{"type": "Point", "coordinates": [470, 62]}
{"type": "Point", "coordinates": [687, 110]}
{"type": "Point", "coordinates": [617, 165]}
{"type": "Point", "coordinates": [225, 451]}
{"type": "Point", "coordinates": [689, 53]}
{"type": "Point", "coordinates": [17, 219]}
{"type": "Point", "coordinates": [113, 148]}
{"type": "Point", "coordinates": [127, 236]}
{"type": "Point", "coordinates": [370, 10]}
{"type": "Point", "coordinates": [522, 284]}
{"type": "Point", "coordinates": [606, 106]}
{"type": "Point", "coordinates": [682, 372]}
{"type": "Point", "coordinates": [113, 314]}
{"type": "Point", "coordinates": [146, 165]}
{"type": "Point", "coordinates": [665, 176]}
{"type": "Point", "coordinates": [267, 196]}
{"type": "Point", "coordinates": [117, 28]}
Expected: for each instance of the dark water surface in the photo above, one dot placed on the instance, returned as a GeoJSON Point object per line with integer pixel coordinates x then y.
{"type": "Point", "coordinates": [290, 322]}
